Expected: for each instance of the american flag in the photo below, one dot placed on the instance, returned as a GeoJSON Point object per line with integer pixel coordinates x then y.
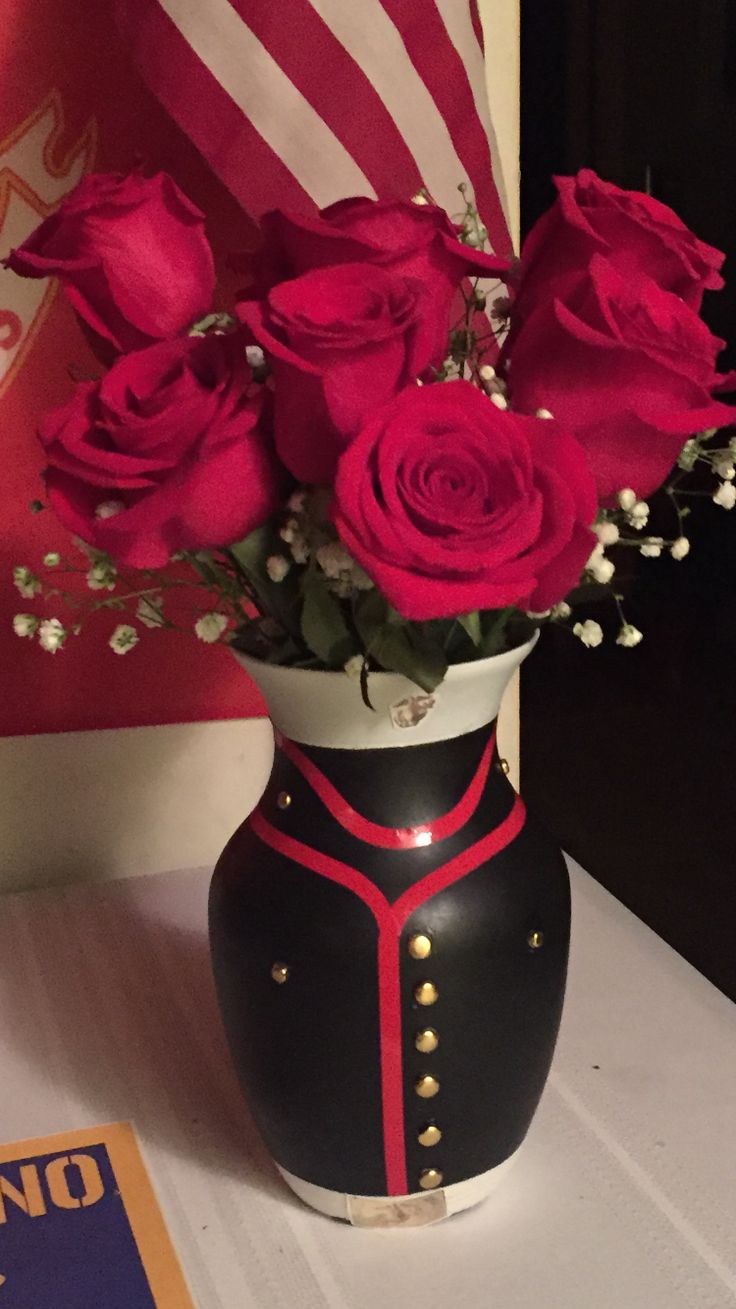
{"type": "Point", "coordinates": [298, 103]}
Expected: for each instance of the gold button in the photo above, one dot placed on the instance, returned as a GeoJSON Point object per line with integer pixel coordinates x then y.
{"type": "Point", "coordinates": [535, 940]}
{"type": "Point", "coordinates": [425, 993]}
{"type": "Point", "coordinates": [430, 1135]}
{"type": "Point", "coordinates": [280, 973]}
{"type": "Point", "coordinates": [426, 1040]}
{"type": "Point", "coordinates": [429, 1178]}
{"type": "Point", "coordinates": [420, 945]}
{"type": "Point", "coordinates": [504, 767]}
{"type": "Point", "coordinates": [426, 1086]}
{"type": "Point", "coordinates": [283, 799]}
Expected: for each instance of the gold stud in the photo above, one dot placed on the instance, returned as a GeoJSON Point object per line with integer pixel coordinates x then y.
{"type": "Point", "coordinates": [420, 945]}
{"type": "Point", "coordinates": [280, 973]}
{"type": "Point", "coordinates": [430, 1135]}
{"type": "Point", "coordinates": [426, 1040]}
{"type": "Point", "coordinates": [504, 767]}
{"type": "Point", "coordinates": [426, 1086]}
{"type": "Point", "coordinates": [283, 799]}
{"type": "Point", "coordinates": [425, 993]}
{"type": "Point", "coordinates": [429, 1178]}
{"type": "Point", "coordinates": [535, 940]}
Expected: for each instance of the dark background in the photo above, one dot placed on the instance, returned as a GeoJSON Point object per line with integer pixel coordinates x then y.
{"type": "Point", "coordinates": [628, 755]}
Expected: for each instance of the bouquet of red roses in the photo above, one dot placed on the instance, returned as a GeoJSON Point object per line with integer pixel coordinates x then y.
{"type": "Point", "coordinates": [398, 451]}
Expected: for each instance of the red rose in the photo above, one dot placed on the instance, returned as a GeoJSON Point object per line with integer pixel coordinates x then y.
{"type": "Point", "coordinates": [416, 241]}
{"type": "Point", "coordinates": [451, 504]}
{"type": "Point", "coordinates": [132, 255]}
{"type": "Point", "coordinates": [636, 233]}
{"type": "Point", "coordinates": [341, 341]}
{"type": "Point", "coordinates": [165, 453]}
{"type": "Point", "coordinates": [627, 367]}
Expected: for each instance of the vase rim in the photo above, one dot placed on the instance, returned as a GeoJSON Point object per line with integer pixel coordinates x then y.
{"type": "Point", "coordinates": [455, 672]}
{"type": "Point", "coordinates": [321, 707]}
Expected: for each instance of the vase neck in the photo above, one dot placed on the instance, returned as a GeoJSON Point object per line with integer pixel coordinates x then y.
{"type": "Point", "coordinates": [403, 787]}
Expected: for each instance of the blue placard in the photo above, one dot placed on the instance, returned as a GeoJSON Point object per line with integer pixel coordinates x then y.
{"type": "Point", "coordinates": [74, 1224]}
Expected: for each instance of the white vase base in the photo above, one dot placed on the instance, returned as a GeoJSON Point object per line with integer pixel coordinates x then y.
{"type": "Point", "coordinates": [415, 1210]}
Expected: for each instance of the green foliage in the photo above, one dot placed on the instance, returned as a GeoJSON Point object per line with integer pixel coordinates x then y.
{"type": "Point", "coordinates": [397, 645]}
{"type": "Point", "coordinates": [324, 627]}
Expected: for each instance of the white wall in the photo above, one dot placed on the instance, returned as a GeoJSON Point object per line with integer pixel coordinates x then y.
{"type": "Point", "coordinates": [82, 805]}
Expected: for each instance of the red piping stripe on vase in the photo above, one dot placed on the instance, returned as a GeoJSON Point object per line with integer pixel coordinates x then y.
{"type": "Point", "coordinates": [391, 919]}
{"type": "Point", "coordinates": [391, 838]}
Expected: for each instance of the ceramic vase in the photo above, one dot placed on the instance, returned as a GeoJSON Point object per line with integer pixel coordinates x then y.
{"type": "Point", "coordinates": [389, 937]}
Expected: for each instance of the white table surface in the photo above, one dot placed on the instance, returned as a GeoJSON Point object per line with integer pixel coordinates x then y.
{"type": "Point", "coordinates": [623, 1197]}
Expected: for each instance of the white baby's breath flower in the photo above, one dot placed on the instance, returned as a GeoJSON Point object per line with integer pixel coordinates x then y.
{"type": "Point", "coordinates": [724, 467]}
{"type": "Point", "coordinates": [688, 455]}
{"type": "Point", "coordinates": [289, 530]}
{"type": "Point", "coordinates": [638, 516]}
{"type": "Point", "coordinates": [51, 635]}
{"type": "Point", "coordinates": [254, 356]}
{"type": "Point", "coordinates": [344, 574]}
{"type": "Point", "coordinates": [419, 199]}
{"type": "Point", "coordinates": [627, 498]}
{"type": "Point", "coordinates": [109, 508]}
{"type": "Point", "coordinates": [680, 548]}
{"type": "Point", "coordinates": [354, 666]}
{"type": "Point", "coordinates": [543, 413]}
{"type": "Point", "coordinates": [629, 636]}
{"type": "Point", "coordinates": [52, 559]}
{"type": "Point", "coordinates": [487, 373]}
{"type": "Point", "coordinates": [561, 611]}
{"type": "Point", "coordinates": [26, 582]}
{"type": "Point", "coordinates": [123, 639]}
{"type": "Point", "coordinates": [210, 627]}
{"type": "Point", "coordinates": [149, 610]}
{"type": "Point", "coordinates": [652, 547]}
{"type": "Point", "coordinates": [25, 624]}
{"type": "Point", "coordinates": [334, 559]}
{"type": "Point", "coordinates": [589, 632]}
{"type": "Point", "coordinates": [607, 533]}
{"type": "Point", "coordinates": [725, 496]}
{"type": "Point", "coordinates": [277, 566]}
{"type": "Point", "coordinates": [499, 400]}
{"type": "Point", "coordinates": [102, 576]}
{"type": "Point", "coordinates": [299, 548]}
{"type": "Point", "coordinates": [600, 568]}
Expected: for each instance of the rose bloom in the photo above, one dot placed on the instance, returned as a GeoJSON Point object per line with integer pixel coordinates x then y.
{"type": "Point", "coordinates": [132, 256]}
{"type": "Point", "coordinates": [340, 341]}
{"type": "Point", "coordinates": [167, 452]}
{"type": "Point", "coordinates": [451, 504]}
{"type": "Point", "coordinates": [415, 241]}
{"type": "Point", "coordinates": [636, 233]}
{"type": "Point", "coordinates": [627, 367]}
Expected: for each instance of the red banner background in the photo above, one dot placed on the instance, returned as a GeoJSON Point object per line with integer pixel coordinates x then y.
{"type": "Point", "coordinates": [68, 63]}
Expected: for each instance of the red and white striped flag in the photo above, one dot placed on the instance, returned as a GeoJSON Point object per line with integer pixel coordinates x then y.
{"type": "Point", "coordinates": [299, 103]}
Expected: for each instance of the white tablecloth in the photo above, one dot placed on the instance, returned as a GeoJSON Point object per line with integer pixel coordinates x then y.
{"type": "Point", "coordinates": [623, 1197]}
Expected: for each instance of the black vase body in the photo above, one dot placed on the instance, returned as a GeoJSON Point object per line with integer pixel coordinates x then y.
{"type": "Point", "coordinates": [389, 938]}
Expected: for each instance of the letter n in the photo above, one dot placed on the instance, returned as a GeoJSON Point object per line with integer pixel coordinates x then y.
{"type": "Point", "coordinates": [29, 1199]}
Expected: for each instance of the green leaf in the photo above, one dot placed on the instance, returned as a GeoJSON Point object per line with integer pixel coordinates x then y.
{"type": "Point", "coordinates": [399, 646]}
{"type": "Point", "coordinates": [323, 624]}
{"type": "Point", "coordinates": [471, 624]}
{"type": "Point", "coordinates": [251, 553]}
{"type": "Point", "coordinates": [403, 650]}
{"type": "Point", "coordinates": [495, 630]}
{"type": "Point", "coordinates": [589, 592]}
